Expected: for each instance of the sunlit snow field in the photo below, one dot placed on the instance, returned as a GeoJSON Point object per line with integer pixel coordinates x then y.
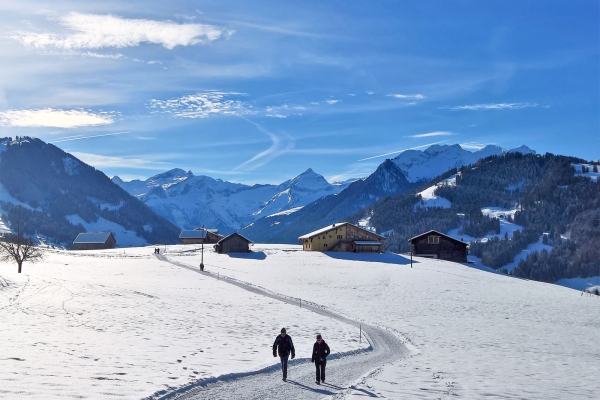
{"type": "Point", "coordinates": [120, 323]}
{"type": "Point", "coordinates": [476, 334]}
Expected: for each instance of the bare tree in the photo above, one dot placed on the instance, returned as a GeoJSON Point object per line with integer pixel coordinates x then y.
{"type": "Point", "coordinates": [19, 249]}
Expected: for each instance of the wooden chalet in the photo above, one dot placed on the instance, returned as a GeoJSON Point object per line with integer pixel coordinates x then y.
{"type": "Point", "coordinates": [342, 236]}
{"type": "Point", "coordinates": [234, 243]}
{"type": "Point", "coordinates": [197, 236]}
{"type": "Point", "coordinates": [94, 241]}
{"type": "Point", "coordinates": [434, 244]}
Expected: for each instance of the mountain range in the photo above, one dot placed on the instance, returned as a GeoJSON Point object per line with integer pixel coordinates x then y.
{"type": "Point", "coordinates": [191, 201]}
{"type": "Point", "coordinates": [54, 196]}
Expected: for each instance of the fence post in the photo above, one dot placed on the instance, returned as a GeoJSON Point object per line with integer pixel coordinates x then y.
{"type": "Point", "coordinates": [360, 337]}
{"type": "Point", "coordinates": [300, 303]}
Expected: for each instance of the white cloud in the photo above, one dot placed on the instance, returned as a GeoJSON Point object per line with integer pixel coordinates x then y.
{"type": "Point", "coordinates": [431, 134]}
{"type": "Point", "coordinates": [49, 117]}
{"type": "Point", "coordinates": [283, 111]}
{"type": "Point", "coordinates": [495, 106]}
{"type": "Point", "coordinates": [97, 160]}
{"type": "Point", "coordinates": [92, 31]}
{"type": "Point", "coordinates": [203, 105]}
{"type": "Point", "coordinates": [332, 101]}
{"type": "Point", "coordinates": [408, 96]}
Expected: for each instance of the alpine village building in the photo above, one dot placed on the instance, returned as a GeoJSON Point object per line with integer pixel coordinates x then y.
{"type": "Point", "coordinates": [234, 243]}
{"type": "Point", "coordinates": [197, 236]}
{"type": "Point", "coordinates": [342, 236]}
{"type": "Point", "coordinates": [95, 241]}
{"type": "Point", "coordinates": [434, 244]}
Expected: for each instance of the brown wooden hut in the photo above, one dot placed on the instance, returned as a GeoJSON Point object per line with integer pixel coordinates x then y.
{"type": "Point", "coordinates": [196, 236]}
{"type": "Point", "coordinates": [94, 241]}
{"type": "Point", "coordinates": [234, 243]}
{"type": "Point", "coordinates": [434, 244]}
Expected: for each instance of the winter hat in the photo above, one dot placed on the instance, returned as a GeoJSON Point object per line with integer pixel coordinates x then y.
{"type": "Point", "coordinates": [282, 330]}
{"type": "Point", "coordinates": [318, 337]}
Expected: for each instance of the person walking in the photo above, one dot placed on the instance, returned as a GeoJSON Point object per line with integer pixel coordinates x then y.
{"type": "Point", "coordinates": [284, 346]}
{"type": "Point", "coordinates": [319, 358]}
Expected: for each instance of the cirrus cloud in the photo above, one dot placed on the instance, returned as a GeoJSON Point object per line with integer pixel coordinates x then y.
{"type": "Point", "coordinates": [92, 31]}
{"type": "Point", "coordinates": [431, 134]}
{"type": "Point", "coordinates": [407, 96]}
{"type": "Point", "coordinates": [495, 106]}
{"type": "Point", "coordinates": [203, 105]}
{"type": "Point", "coordinates": [54, 118]}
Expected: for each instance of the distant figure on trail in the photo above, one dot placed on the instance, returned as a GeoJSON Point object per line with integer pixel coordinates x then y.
{"type": "Point", "coordinates": [284, 346]}
{"type": "Point", "coordinates": [319, 358]}
{"type": "Point", "coordinates": [201, 267]}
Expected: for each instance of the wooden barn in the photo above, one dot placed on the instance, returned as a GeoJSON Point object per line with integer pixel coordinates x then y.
{"type": "Point", "coordinates": [196, 236]}
{"type": "Point", "coordinates": [434, 244]}
{"type": "Point", "coordinates": [342, 236]}
{"type": "Point", "coordinates": [234, 243]}
{"type": "Point", "coordinates": [94, 241]}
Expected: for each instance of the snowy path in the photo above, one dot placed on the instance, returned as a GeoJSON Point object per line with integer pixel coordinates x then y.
{"type": "Point", "coordinates": [342, 369]}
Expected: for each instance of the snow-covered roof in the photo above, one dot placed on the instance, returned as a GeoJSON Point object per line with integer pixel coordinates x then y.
{"type": "Point", "coordinates": [437, 233]}
{"type": "Point", "coordinates": [368, 242]}
{"type": "Point", "coordinates": [92, 237]}
{"type": "Point", "coordinates": [215, 231]}
{"type": "Point", "coordinates": [333, 226]}
{"type": "Point", "coordinates": [192, 234]}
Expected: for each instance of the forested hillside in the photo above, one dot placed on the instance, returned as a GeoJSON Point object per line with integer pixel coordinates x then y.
{"type": "Point", "coordinates": [548, 197]}
{"type": "Point", "coordinates": [53, 184]}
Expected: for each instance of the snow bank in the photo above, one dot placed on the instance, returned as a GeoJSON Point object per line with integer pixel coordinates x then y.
{"type": "Point", "coordinates": [429, 199]}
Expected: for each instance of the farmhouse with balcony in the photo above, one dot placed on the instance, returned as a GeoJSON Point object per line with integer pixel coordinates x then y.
{"type": "Point", "coordinates": [342, 236]}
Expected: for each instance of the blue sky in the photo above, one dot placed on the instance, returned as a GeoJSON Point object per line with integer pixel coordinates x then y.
{"type": "Point", "coordinates": [257, 92]}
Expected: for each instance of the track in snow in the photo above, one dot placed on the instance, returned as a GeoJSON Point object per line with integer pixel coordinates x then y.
{"type": "Point", "coordinates": [342, 369]}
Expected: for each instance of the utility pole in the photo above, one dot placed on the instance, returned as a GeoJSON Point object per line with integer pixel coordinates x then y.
{"type": "Point", "coordinates": [410, 236]}
{"type": "Point", "coordinates": [202, 254]}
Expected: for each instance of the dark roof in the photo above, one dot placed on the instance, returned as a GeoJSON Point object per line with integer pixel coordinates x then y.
{"type": "Point", "coordinates": [195, 234]}
{"type": "Point", "coordinates": [93, 237]}
{"type": "Point", "coordinates": [437, 233]}
{"type": "Point", "coordinates": [334, 226]}
{"type": "Point", "coordinates": [233, 234]}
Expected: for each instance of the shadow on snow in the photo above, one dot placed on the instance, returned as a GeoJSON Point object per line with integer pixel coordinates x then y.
{"type": "Point", "coordinates": [386, 258]}
{"type": "Point", "coordinates": [258, 255]}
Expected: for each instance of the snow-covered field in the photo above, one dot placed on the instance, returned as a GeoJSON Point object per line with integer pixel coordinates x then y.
{"type": "Point", "coordinates": [477, 334]}
{"type": "Point", "coordinates": [122, 324]}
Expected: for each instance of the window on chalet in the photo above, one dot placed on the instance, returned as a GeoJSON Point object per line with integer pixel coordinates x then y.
{"type": "Point", "coordinates": [433, 239]}
{"type": "Point", "coordinates": [325, 245]}
{"type": "Point", "coordinates": [339, 236]}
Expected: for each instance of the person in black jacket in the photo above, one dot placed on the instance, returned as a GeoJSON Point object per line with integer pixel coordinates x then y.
{"type": "Point", "coordinates": [319, 358]}
{"type": "Point", "coordinates": [284, 346]}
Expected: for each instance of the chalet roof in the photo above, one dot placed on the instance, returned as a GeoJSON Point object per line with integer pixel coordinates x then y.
{"type": "Point", "coordinates": [195, 234]}
{"type": "Point", "coordinates": [234, 234]}
{"type": "Point", "coordinates": [334, 226]}
{"type": "Point", "coordinates": [437, 233]}
{"type": "Point", "coordinates": [93, 237]}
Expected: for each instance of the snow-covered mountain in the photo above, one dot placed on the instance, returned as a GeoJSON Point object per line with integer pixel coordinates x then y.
{"type": "Point", "coordinates": [437, 159]}
{"type": "Point", "coordinates": [190, 201]}
{"type": "Point", "coordinates": [387, 180]}
{"type": "Point", "coordinates": [52, 194]}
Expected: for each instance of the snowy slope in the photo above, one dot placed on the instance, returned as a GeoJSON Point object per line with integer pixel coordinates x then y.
{"type": "Point", "coordinates": [109, 324]}
{"type": "Point", "coordinates": [190, 201]}
{"type": "Point", "coordinates": [437, 159]}
{"type": "Point", "coordinates": [478, 334]}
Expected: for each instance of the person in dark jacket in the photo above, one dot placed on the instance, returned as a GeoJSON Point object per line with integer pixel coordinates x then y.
{"type": "Point", "coordinates": [284, 346]}
{"type": "Point", "coordinates": [319, 358]}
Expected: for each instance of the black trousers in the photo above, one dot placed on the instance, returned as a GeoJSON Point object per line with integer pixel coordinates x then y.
{"type": "Point", "coordinates": [284, 361]}
{"type": "Point", "coordinates": [320, 365]}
